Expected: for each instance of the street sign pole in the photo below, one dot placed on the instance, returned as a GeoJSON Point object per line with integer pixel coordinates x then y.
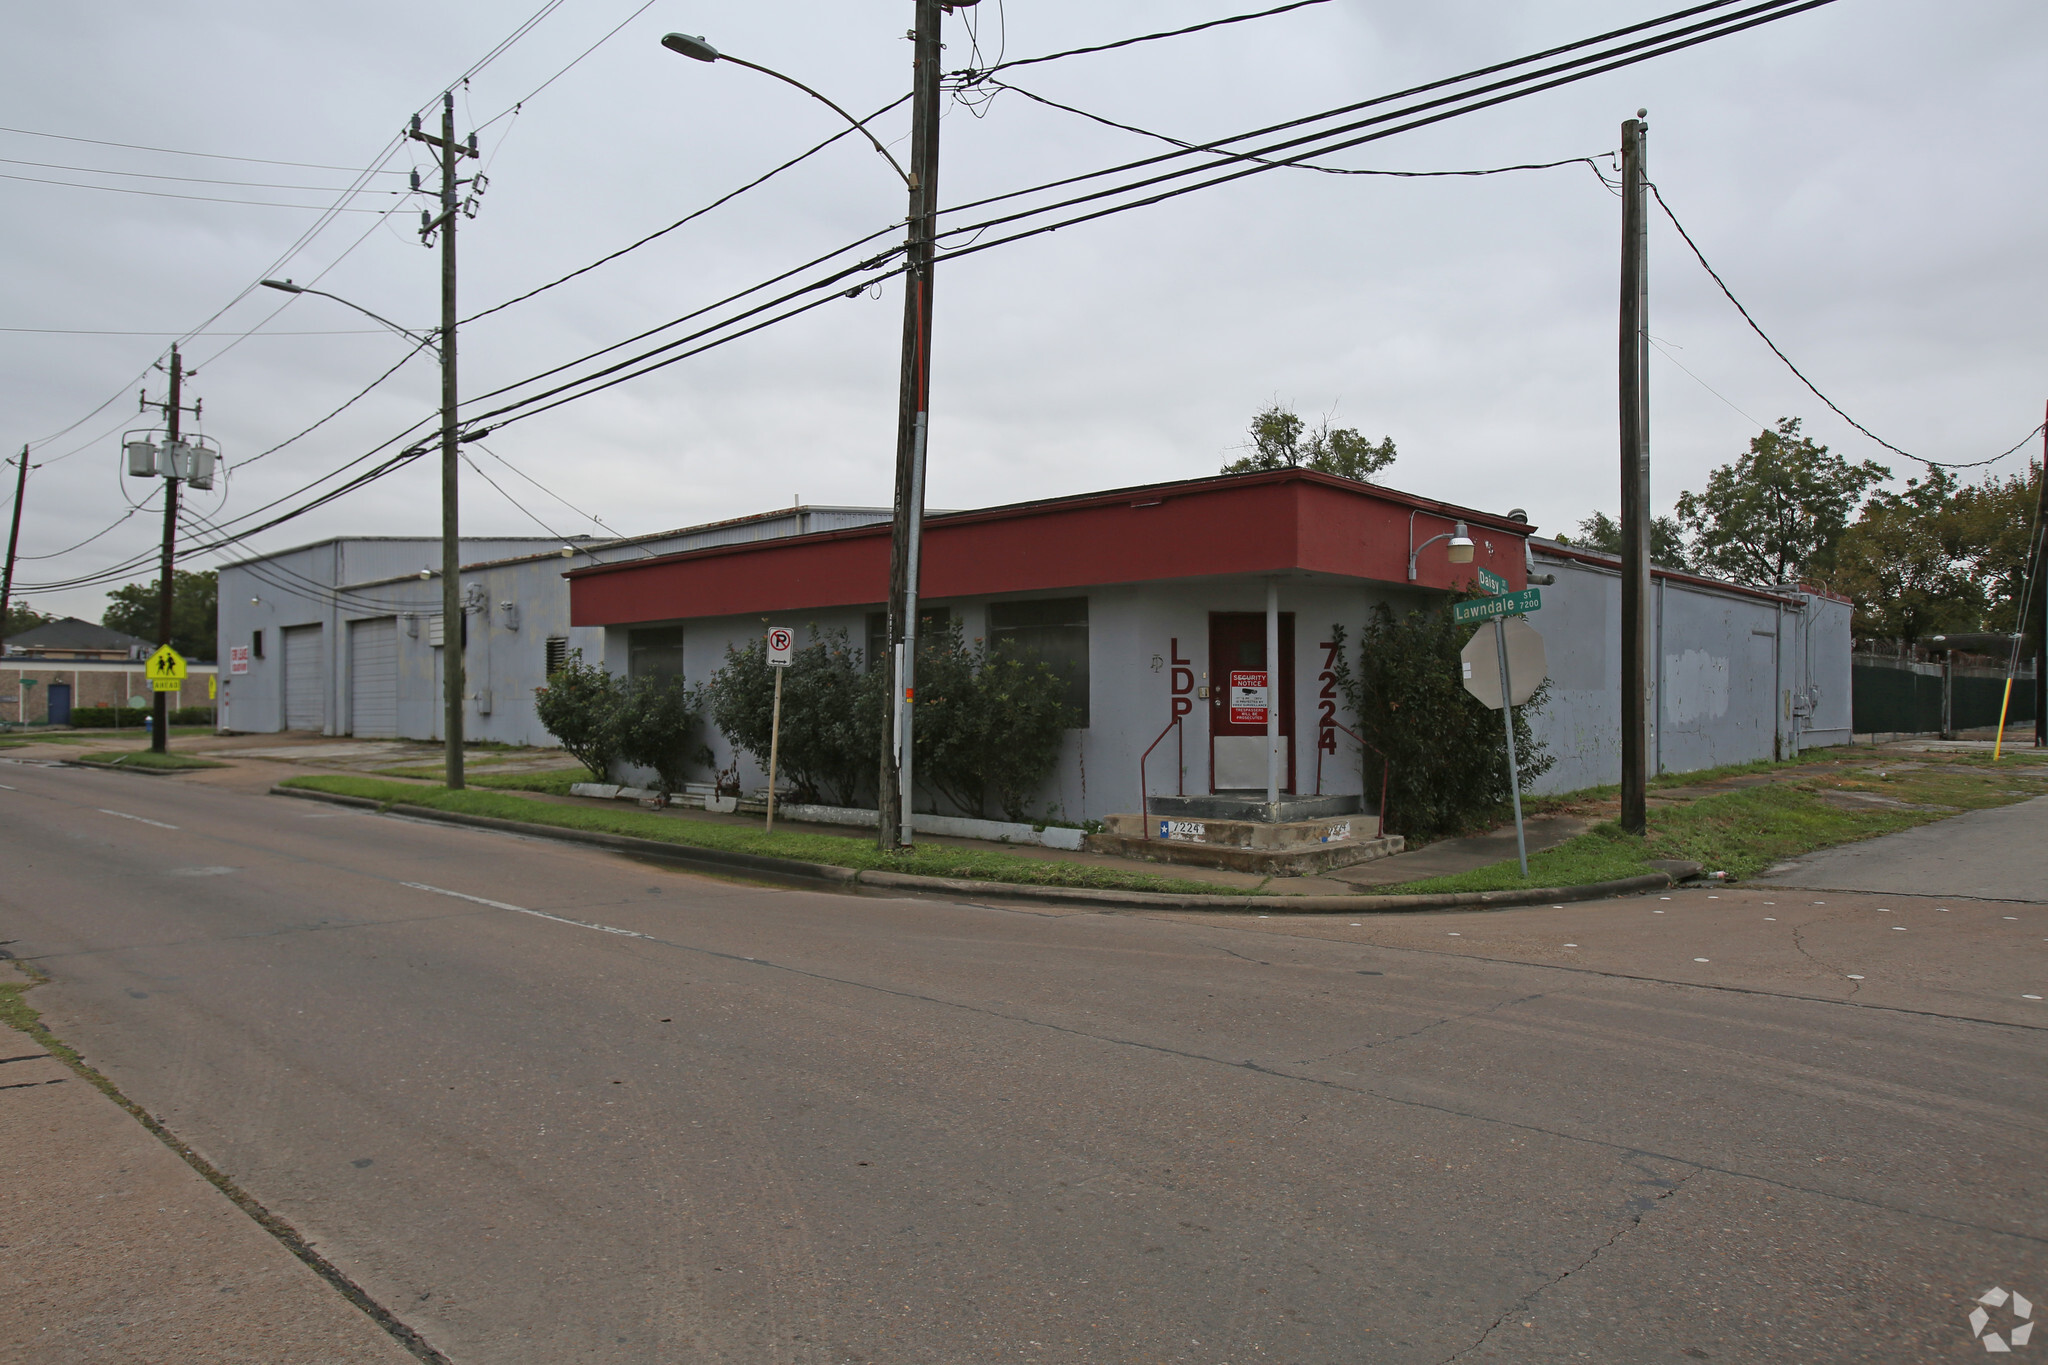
{"type": "Point", "coordinates": [774, 749]}
{"type": "Point", "coordinates": [1507, 715]}
{"type": "Point", "coordinates": [781, 647]}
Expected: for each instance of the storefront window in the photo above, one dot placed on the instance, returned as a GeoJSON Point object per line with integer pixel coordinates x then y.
{"type": "Point", "coordinates": [655, 652]}
{"type": "Point", "coordinates": [932, 624]}
{"type": "Point", "coordinates": [1055, 631]}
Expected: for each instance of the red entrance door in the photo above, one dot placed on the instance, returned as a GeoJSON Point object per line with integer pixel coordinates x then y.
{"type": "Point", "coordinates": [1237, 723]}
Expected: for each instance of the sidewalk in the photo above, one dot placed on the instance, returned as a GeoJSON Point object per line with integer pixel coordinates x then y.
{"type": "Point", "coordinates": [113, 1249]}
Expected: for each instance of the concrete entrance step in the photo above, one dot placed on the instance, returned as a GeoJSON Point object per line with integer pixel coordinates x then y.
{"type": "Point", "coordinates": [1252, 806]}
{"type": "Point", "coordinates": [1294, 848]}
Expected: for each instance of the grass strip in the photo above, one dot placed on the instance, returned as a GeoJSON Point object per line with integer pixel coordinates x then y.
{"type": "Point", "coordinates": [145, 758]}
{"type": "Point", "coordinates": [553, 781]}
{"type": "Point", "coordinates": [924, 860]}
{"type": "Point", "coordinates": [1746, 830]}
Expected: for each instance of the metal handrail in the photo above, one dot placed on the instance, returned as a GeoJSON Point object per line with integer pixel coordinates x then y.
{"type": "Point", "coordinates": [1144, 787]}
{"type": "Point", "coordinates": [1385, 768]}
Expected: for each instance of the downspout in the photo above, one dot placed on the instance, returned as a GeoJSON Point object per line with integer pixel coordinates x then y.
{"type": "Point", "coordinates": [1657, 698]}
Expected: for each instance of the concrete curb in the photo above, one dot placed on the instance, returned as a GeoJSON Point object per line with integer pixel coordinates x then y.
{"type": "Point", "coordinates": [124, 768]}
{"type": "Point", "coordinates": [728, 862]}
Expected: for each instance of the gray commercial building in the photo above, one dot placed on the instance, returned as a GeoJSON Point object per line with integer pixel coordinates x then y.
{"type": "Point", "coordinates": [345, 636]}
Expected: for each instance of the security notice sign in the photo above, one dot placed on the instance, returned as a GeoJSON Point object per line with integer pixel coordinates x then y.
{"type": "Point", "coordinates": [166, 670]}
{"type": "Point", "coordinates": [238, 658]}
{"type": "Point", "coordinates": [1249, 697]}
{"type": "Point", "coordinates": [781, 645]}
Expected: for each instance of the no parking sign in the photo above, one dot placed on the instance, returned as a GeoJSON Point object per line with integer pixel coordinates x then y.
{"type": "Point", "coordinates": [781, 644]}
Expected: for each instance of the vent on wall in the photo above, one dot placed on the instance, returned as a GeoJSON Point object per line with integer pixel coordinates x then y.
{"type": "Point", "coordinates": [557, 652]}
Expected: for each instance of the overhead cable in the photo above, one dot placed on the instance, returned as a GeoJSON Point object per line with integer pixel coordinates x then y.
{"type": "Point", "coordinates": [1800, 375]}
{"type": "Point", "coordinates": [1397, 121]}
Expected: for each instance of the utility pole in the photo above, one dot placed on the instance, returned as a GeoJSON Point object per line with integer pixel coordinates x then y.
{"type": "Point", "coordinates": [13, 542]}
{"type": "Point", "coordinates": [1635, 482]}
{"type": "Point", "coordinates": [2040, 548]}
{"type": "Point", "coordinates": [450, 154]}
{"type": "Point", "coordinates": [173, 465]}
{"type": "Point", "coordinates": [893, 810]}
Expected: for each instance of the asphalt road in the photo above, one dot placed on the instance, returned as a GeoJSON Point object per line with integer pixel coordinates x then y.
{"type": "Point", "coordinates": [550, 1105]}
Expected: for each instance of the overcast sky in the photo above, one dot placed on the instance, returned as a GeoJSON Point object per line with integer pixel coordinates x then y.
{"type": "Point", "coordinates": [1868, 177]}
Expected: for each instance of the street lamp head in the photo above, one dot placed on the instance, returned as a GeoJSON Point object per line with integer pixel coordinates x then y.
{"type": "Point", "coordinates": [695, 47]}
{"type": "Point", "coordinates": [286, 285]}
{"type": "Point", "coordinates": [1461, 546]}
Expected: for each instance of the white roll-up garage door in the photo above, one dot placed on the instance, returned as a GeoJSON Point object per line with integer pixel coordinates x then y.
{"type": "Point", "coordinates": [373, 678]}
{"type": "Point", "coordinates": [303, 670]}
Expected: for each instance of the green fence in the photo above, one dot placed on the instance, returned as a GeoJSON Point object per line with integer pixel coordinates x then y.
{"type": "Point", "coordinates": [1905, 698]}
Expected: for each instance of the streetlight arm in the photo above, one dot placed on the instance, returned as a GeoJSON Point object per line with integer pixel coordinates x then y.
{"type": "Point", "coordinates": [699, 50]}
{"type": "Point", "coordinates": [288, 287]}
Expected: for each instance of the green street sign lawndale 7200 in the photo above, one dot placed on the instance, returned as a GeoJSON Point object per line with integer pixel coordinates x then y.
{"type": "Point", "coordinates": [1508, 604]}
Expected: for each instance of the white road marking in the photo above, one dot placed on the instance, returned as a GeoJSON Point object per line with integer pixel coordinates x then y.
{"type": "Point", "coordinates": [537, 914]}
{"type": "Point", "coordinates": [1699, 959]}
{"type": "Point", "coordinates": [142, 818]}
{"type": "Point", "coordinates": [5, 788]}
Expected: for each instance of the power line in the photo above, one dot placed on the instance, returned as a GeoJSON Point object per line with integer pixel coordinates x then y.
{"type": "Point", "coordinates": [1212, 146]}
{"type": "Point", "coordinates": [195, 198]}
{"type": "Point", "coordinates": [1141, 38]}
{"type": "Point", "coordinates": [513, 108]}
{"type": "Point", "coordinates": [1415, 116]}
{"type": "Point", "coordinates": [1297, 165]}
{"type": "Point", "coordinates": [1715, 275]}
{"type": "Point", "coordinates": [688, 217]}
{"type": "Point", "coordinates": [1328, 170]}
{"type": "Point", "coordinates": [359, 394]}
{"type": "Point", "coordinates": [105, 332]}
{"type": "Point", "coordinates": [172, 151]}
{"type": "Point", "coordinates": [182, 179]}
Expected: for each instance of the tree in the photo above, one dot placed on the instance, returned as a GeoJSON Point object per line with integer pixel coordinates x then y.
{"type": "Point", "coordinates": [1775, 515]}
{"type": "Point", "coordinates": [1995, 524]}
{"type": "Point", "coordinates": [1278, 443]}
{"type": "Point", "coordinates": [1906, 563]}
{"type": "Point", "coordinates": [195, 612]}
{"type": "Point", "coordinates": [1602, 532]}
{"type": "Point", "coordinates": [21, 617]}
{"type": "Point", "coordinates": [580, 707]}
{"type": "Point", "coordinates": [1446, 751]}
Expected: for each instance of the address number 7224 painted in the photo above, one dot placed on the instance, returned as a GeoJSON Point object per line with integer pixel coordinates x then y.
{"type": "Point", "coordinates": [1190, 831]}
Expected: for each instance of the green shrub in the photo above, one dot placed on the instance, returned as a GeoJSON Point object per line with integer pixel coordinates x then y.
{"type": "Point", "coordinates": [989, 725]}
{"type": "Point", "coordinates": [658, 719]}
{"type": "Point", "coordinates": [832, 715]}
{"type": "Point", "coordinates": [580, 707]}
{"type": "Point", "coordinates": [1446, 752]}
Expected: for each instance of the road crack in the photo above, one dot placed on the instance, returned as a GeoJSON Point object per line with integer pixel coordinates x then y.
{"type": "Point", "coordinates": [1418, 1032]}
{"type": "Point", "coordinates": [1522, 1304]}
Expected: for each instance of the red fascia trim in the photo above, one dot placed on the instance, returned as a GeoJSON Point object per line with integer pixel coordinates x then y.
{"type": "Point", "coordinates": [1243, 524]}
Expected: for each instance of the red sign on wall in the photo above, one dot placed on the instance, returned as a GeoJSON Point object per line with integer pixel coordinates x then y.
{"type": "Point", "coordinates": [1249, 697]}
{"type": "Point", "coordinates": [238, 658]}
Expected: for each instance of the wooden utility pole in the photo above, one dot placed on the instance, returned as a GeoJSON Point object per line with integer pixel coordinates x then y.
{"type": "Point", "coordinates": [13, 543]}
{"type": "Point", "coordinates": [1635, 483]}
{"type": "Point", "coordinates": [893, 823]}
{"type": "Point", "coordinates": [166, 597]}
{"type": "Point", "coordinates": [2040, 597]}
{"type": "Point", "coordinates": [450, 153]}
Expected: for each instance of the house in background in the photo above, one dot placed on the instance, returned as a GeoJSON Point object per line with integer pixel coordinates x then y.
{"type": "Point", "coordinates": [74, 640]}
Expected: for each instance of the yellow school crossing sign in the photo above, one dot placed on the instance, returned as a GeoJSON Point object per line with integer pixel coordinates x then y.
{"type": "Point", "coordinates": [166, 669]}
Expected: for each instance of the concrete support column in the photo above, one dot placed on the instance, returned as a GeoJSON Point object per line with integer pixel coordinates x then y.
{"type": "Point", "coordinates": [1273, 676]}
